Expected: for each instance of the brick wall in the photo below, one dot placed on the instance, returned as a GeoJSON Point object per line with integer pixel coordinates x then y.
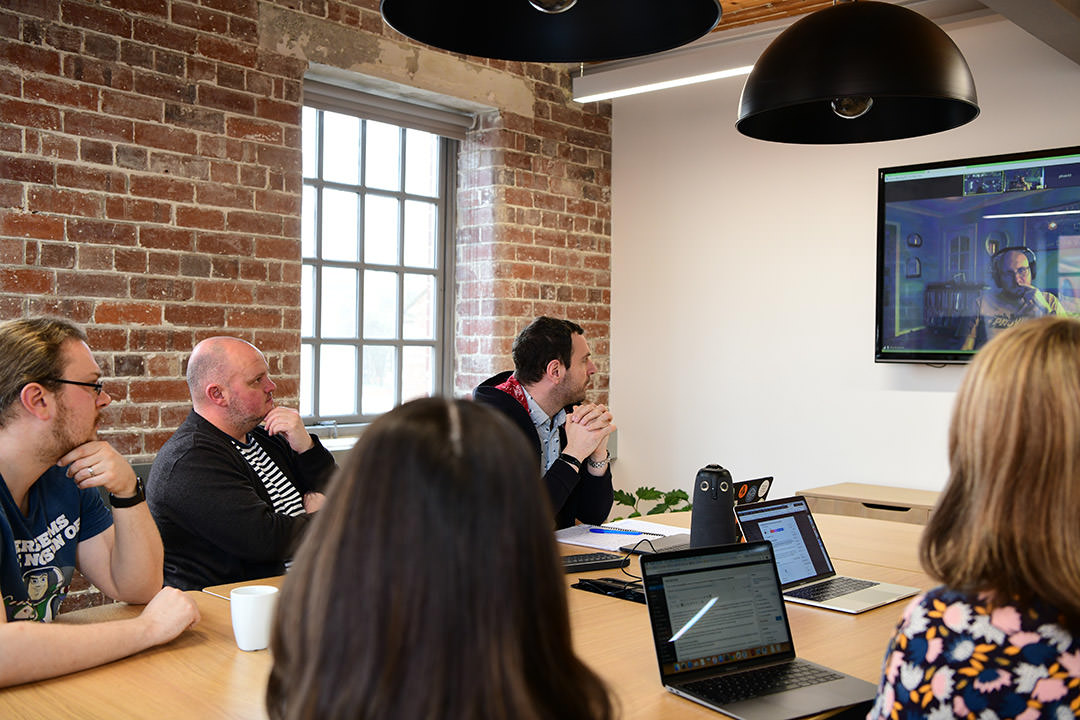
{"type": "Point", "coordinates": [150, 186]}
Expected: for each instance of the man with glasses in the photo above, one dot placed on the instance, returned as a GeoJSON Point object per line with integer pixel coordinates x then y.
{"type": "Point", "coordinates": [53, 519]}
{"type": "Point", "coordinates": [1013, 299]}
{"type": "Point", "coordinates": [233, 489]}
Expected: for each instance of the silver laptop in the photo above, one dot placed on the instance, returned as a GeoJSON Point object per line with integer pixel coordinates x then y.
{"type": "Point", "coordinates": [722, 636]}
{"type": "Point", "coordinates": [742, 492]}
{"type": "Point", "coordinates": [806, 572]}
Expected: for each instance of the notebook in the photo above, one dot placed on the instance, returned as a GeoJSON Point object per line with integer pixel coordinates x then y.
{"type": "Point", "coordinates": [742, 492]}
{"type": "Point", "coordinates": [722, 636]}
{"type": "Point", "coordinates": [806, 572]}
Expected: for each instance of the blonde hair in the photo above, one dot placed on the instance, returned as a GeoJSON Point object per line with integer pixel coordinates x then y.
{"type": "Point", "coordinates": [30, 351]}
{"type": "Point", "coordinates": [1007, 522]}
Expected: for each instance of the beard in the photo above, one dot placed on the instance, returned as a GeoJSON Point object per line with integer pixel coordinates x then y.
{"type": "Point", "coordinates": [65, 437]}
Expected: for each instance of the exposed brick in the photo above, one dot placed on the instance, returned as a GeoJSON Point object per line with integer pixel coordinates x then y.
{"type": "Point", "coordinates": [65, 202]}
{"type": "Point", "coordinates": [27, 114]}
{"type": "Point", "coordinates": [195, 315]}
{"type": "Point", "coordinates": [76, 176]}
{"type": "Point", "coordinates": [166, 238]}
{"type": "Point", "coordinates": [95, 231]}
{"type": "Point", "coordinates": [31, 225]}
{"type": "Point", "coordinates": [117, 313]}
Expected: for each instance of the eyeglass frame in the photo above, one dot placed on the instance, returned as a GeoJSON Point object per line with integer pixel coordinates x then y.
{"type": "Point", "coordinates": [98, 386]}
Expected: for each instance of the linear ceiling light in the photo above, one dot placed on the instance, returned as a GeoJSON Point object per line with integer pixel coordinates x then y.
{"type": "Point", "coordinates": [857, 72]}
{"type": "Point", "coordinates": [664, 85]}
{"type": "Point", "coordinates": [553, 30]}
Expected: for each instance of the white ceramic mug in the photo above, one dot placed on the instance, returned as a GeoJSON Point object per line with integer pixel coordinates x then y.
{"type": "Point", "coordinates": [252, 608]}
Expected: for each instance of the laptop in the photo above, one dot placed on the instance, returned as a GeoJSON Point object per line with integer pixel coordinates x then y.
{"type": "Point", "coordinates": [722, 636]}
{"type": "Point", "coordinates": [742, 492]}
{"type": "Point", "coordinates": [806, 572]}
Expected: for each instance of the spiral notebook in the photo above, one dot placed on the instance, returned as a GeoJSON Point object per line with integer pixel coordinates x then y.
{"type": "Point", "coordinates": [632, 531]}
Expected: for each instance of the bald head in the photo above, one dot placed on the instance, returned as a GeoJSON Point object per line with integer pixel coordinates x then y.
{"type": "Point", "coordinates": [230, 384]}
{"type": "Point", "coordinates": [214, 360]}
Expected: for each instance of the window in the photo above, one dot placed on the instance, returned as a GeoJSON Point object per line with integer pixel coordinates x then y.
{"type": "Point", "coordinates": [376, 230]}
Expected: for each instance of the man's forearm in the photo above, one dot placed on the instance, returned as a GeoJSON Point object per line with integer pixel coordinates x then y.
{"type": "Point", "coordinates": [33, 650]}
{"type": "Point", "coordinates": [137, 556]}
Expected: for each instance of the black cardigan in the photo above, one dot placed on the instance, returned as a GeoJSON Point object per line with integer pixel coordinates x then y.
{"type": "Point", "coordinates": [575, 495]}
{"type": "Point", "coordinates": [215, 516]}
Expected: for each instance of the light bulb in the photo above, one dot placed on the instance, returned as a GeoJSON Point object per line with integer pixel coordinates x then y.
{"type": "Point", "coordinates": [852, 107]}
{"type": "Point", "coordinates": [552, 7]}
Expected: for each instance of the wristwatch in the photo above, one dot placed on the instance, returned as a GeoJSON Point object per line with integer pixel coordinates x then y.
{"type": "Point", "coordinates": [597, 464]}
{"type": "Point", "coordinates": [138, 497]}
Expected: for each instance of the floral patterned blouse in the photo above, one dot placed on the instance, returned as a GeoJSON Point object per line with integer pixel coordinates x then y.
{"type": "Point", "coordinates": [956, 656]}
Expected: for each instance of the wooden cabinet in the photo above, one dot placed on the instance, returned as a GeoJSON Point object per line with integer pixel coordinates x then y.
{"type": "Point", "coordinates": [872, 501]}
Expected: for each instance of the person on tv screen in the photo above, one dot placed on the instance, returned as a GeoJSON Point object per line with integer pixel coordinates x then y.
{"type": "Point", "coordinates": [1013, 299]}
{"type": "Point", "coordinates": [1000, 636]}
{"type": "Point", "coordinates": [429, 585]}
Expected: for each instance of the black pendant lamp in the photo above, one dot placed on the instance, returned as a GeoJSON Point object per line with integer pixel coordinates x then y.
{"type": "Point", "coordinates": [857, 72]}
{"type": "Point", "coordinates": [553, 30]}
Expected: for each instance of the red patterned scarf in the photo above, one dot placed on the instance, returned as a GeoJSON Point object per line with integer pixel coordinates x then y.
{"type": "Point", "coordinates": [513, 388]}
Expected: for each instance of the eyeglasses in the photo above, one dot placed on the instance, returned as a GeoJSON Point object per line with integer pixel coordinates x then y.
{"type": "Point", "coordinates": [98, 387]}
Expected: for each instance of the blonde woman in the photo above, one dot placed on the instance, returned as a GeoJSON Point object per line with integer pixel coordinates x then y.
{"type": "Point", "coordinates": [1000, 638]}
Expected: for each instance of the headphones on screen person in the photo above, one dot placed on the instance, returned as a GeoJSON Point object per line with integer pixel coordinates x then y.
{"type": "Point", "coordinates": [996, 259]}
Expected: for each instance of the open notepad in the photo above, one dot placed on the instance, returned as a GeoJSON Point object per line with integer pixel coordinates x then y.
{"type": "Point", "coordinates": [583, 534]}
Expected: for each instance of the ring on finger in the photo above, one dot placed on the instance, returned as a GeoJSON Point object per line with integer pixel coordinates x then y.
{"type": "Point", "coordinates": [90, 470]}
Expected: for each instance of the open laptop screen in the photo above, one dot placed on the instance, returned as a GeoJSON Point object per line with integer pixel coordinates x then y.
{"type": "Point", "coordinates": [788, 525]}
{"type": "Point", "coordinates": [717, 607]}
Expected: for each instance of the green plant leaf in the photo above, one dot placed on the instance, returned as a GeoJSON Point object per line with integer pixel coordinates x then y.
{"type": "Point", "coordinates": [672, 498]}
{"type": "Point", "coordinates": [624, 498]}
{"type": "Point", "coordinates": [649, 493]}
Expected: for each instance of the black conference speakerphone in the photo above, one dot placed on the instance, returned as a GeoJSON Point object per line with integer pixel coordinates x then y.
{"type": "Point", "coordinates": [584, 562]}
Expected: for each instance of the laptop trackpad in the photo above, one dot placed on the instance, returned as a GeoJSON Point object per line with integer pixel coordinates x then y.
{"type": "Point", "coordinates": [808, 700]}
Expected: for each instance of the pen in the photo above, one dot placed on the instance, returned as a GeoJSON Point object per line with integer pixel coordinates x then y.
{"type": "Point", "coordinates": [612, 531]}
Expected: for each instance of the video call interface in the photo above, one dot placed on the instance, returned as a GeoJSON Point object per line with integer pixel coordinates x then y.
{"type": "Point", "coordinates": [784, 526]}
{"type": "Point", "coordinates": [940, 226]}
{"type": "Point", "coordinates": [716, 618]}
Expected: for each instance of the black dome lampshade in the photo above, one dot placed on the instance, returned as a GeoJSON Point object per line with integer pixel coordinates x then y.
{"type": "Point", "coordinates": [553, 30]}
{"type": "Point", "coordinates": [857, 72]}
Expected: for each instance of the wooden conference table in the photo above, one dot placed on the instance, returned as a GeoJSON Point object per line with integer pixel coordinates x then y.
{"type": "Point", "coordinates": [202, 674]}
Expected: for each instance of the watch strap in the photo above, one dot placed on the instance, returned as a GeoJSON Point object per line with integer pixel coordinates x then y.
{"type": "Point", "coordinates": [138, 497]}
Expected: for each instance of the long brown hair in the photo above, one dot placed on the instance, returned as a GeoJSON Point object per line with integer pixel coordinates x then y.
{"type": "Point", "coordinates": [1008, 522]}
{"type": "Point", "coordinates": [428, 587]}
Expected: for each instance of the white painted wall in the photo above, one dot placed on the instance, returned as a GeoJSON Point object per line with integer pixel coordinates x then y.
{"type": "Point", "coordinates": [743, 282]}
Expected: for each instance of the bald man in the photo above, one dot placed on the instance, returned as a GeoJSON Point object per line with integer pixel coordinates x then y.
{"type": "Point", "coordinates": [234, 487]}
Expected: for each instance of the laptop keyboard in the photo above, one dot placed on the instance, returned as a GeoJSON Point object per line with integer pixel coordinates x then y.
{"type": "Point", "coordinates": [728, 689]}
{"type": "Point", "coordinates": [828, 589]}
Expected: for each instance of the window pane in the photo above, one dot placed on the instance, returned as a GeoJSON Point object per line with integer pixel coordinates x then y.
{"type": "Point", "coordinates": [380, 230]}
{"type": "Point", "coordinates": [380, 305]}
{"type": "Point", "coordinates": [337, 380]}
{"type": "Point", "coordinates": [417, 372]}
{"type": "Point", "coordinates": [380, 379]}
{"type": "Point", "coordinates": [341, 148]}
{"type": "Point", "coordinates": [307, 223]}
{"type": "Point", "coordinates": [307, 301]}
{"type": "Point", "coordinates": [339, 295]}
{"type": "Point", "coordinates": [339, 228]}
{"type": "Point", "coordinates": [307, 380]}
{"type": "Point", "coordinates": [420, 234]}
{"type": "Point", "coordinates": [383, 150]}
{"type": "Point", "coordinates": [418, 307]}
{"type": "Point", "coordinates": [310, 132]}
{"type": "Point", "coordinates": [421, 163]}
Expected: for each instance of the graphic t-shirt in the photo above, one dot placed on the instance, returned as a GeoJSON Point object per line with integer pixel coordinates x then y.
{"type": "Point", "coordinates": [37, 551]}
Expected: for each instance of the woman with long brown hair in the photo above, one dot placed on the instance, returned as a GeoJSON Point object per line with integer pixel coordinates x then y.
{"type": "Point", "coordinates": [429, 585]}
{"type": "Point", "coordinates": [1001, 636]}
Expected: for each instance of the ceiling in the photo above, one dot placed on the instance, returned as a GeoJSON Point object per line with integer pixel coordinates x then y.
{"type": "Point", "coordinates": [1055, 22]}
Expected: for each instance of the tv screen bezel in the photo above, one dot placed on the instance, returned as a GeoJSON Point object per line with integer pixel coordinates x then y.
{"type": "Point", "coordinates": [919, 356]}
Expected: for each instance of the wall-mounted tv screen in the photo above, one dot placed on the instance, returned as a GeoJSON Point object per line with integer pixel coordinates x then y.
{"type": "Point", "coordinates": [967, 248]}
